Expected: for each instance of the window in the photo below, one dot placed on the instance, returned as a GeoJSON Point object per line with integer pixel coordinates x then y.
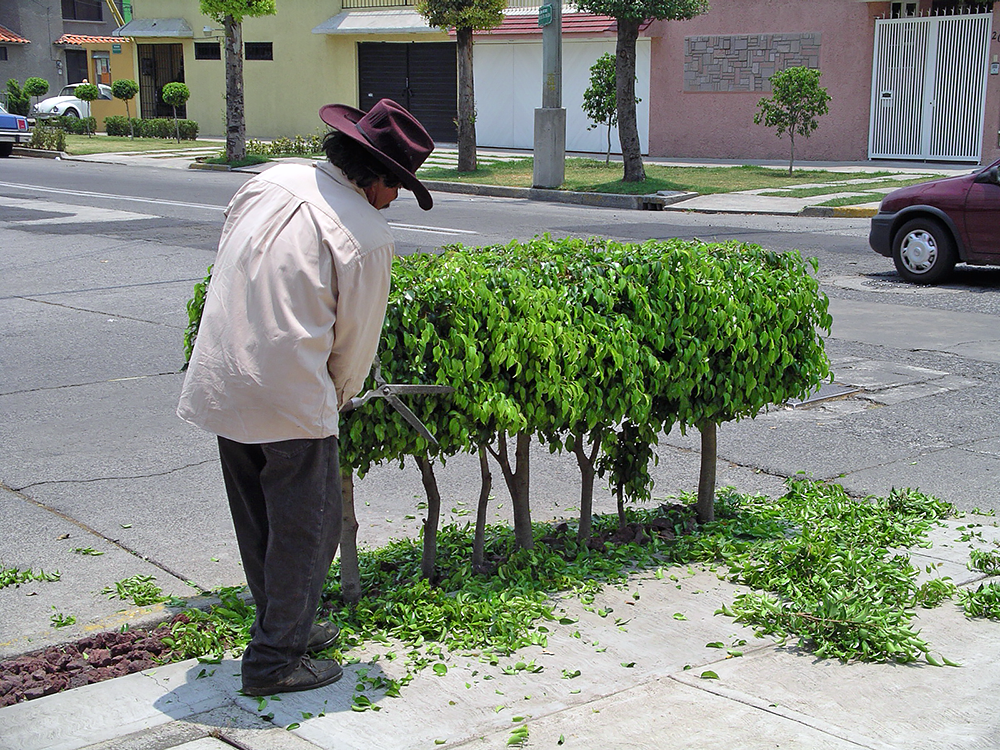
{"type": "Point", "coordinates": [258, 51]}
{"type": "Point", "coordinates": [82, 10]}
{"type": "Point", "coordinates": [102, 68]}
{"type": "Point", "coordinates": [3, 54]}
{"type": "Point", "coordinates": [207, 51]}
{"type": "Point", "coordinates": [902, 10]}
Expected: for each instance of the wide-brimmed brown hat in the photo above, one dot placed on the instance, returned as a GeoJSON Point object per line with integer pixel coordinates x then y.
{"type": "Point", "coordinates": [390, 134]}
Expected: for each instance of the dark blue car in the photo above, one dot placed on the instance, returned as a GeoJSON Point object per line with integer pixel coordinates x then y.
{"type": "Point", "coordinates": [13, 129]}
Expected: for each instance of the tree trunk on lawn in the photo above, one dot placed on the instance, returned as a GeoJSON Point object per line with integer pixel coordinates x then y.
{"type": "Point", "coordinates": [466, 103]}
{"type": "Point", "coordinates": [236, 146]}
{"type": "Point", "coordinates": [587, 473]}
{"type": "Point", "coordinates": [429, 558]}
{"type": "Point", "coordinates": [350, 574]}
{"type": "Point", "coordinates": [516, 478]}
{"type": "Point", "coordinates": [479, 541]}
{"type": "Point", "coordinates": [791, 158]}
{"type": "Point", "coordinates": [628, 131]}
{"type": "Point", "coordinates": [706, 479]}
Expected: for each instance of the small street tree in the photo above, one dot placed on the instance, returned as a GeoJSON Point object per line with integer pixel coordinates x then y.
{"type": "Point", "coordinates": [36, 87]}
{"type": "Point", "coordinates": [230, 13]}
{"type": "Point", "coordinates": [126, 89]}
{"type": "Point", "coordinates": [175, 94]}
{"type": "Point", "coordinates": [797, 101]}
{"type": "Point", "coordinates": [87, 92]}
{"type": "Point", "coordinates": [630, 15]}
{"type": "Point", "coordinates": [18, 102]}
{"type": "Point", "coordinates": [465, 16]}
{"type": "Point", "coordinates": [600, 100]}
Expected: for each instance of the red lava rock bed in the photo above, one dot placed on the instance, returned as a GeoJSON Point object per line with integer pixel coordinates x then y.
{"type": "Point", "coordinates": [93, 659]}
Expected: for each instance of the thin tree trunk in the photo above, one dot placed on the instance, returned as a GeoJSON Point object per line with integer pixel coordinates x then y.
{"type": "Point", "coordinates": [516, 479]}
{"type": "Point", "coordinates": [607, 156]}
{"type": "Point", "coordinates": [236, 146]}
{"type": "Point", "coordinates": [479, 541]}
{"type": "Point", "coordinates": [791, 159]}
{"type": "Point", "coordinates": [429, 558]}
{"type": "Point", "coordinates": [587, 473]}
{"type": "Point", "coordinates": [466, 103]}
{"type": "Point", "coordinates": [350, 573]}
{"type": "Point", "coordinates": [706, 479]}
{"type": "Point", "coordinates": [628, 131]}
{"type": "Point", "coordinates": [621, 507]}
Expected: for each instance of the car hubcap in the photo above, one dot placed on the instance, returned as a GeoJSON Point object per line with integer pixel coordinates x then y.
{"type": "Point", "coordinates": [918, 251]}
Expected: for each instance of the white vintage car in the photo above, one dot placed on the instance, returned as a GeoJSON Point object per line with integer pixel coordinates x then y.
{"type": "Point", "coordinates": [66, 103]}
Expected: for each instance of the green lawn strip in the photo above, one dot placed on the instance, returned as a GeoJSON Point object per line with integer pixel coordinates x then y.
{"type": "Point", "coordinates": [593, 176]}
{"type": "Point", "coordinates": [815, 562]}
{"type": "Point", "coordinates": [81, 145]}
{"type": "Point", "coordinates": [808, 192]}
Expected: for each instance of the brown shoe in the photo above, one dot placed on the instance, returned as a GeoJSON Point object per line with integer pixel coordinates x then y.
{"type": "Point", "coordinates": [322, 636]}
{"type": "Point", "coordinates": [309, 674]}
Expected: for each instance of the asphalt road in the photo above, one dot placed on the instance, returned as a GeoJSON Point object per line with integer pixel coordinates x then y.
{"type": "Point", "coordinates": [97, 262]}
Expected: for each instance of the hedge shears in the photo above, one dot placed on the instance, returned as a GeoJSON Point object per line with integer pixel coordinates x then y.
{"type": "Point", "coordinates": [391, 393]}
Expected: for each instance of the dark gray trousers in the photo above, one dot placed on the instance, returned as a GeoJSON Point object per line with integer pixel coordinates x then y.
{"type": "Point", "coordinates": [286, 504]}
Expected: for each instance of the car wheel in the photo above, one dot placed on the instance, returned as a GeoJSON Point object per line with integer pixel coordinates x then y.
{"type": "Point", "coordinates": [71, 113]}
{"type": "Point", "coordinates": [6, 149]}
{"type": "Point", "coordinates": [924, 251]}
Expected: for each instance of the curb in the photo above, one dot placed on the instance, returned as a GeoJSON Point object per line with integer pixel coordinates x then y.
{"type": "Point", "coordinates": [843, 212]}
{"type": "Point", "coordinates": [650, 202]}
{"type": "Point", "coordinates": [38, 153]}
{"type": "Point", "coordinates": [210, 167]}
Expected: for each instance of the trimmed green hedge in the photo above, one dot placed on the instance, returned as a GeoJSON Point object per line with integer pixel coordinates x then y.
{"type": "Point", "coordinates": [586, 341]}
{"type": "Point", "coordinates": [160, 127]}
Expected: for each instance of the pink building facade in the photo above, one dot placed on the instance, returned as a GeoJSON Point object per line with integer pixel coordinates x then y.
{"type": "Point", "coordinates": [707, 75]}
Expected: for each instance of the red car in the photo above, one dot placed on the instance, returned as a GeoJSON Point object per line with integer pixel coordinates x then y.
{"type": "Point", "coordinates": [929, 227]}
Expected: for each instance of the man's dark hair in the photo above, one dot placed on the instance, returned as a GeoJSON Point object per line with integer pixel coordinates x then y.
{"type": "Point", "coordinates": [357, 163]}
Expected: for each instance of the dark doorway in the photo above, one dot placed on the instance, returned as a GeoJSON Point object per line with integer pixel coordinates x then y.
{"type": "Point", "coordinates": [76, 65]}
{"type": "Point", "coordinates": [421, 77]}
{"type": "Point", "coordinates": [159, 64]}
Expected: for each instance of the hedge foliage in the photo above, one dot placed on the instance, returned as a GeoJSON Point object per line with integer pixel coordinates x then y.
{"type": "Point", "coordinates": [160, 127]}
{"type": "Point", "coordinates": [574, 341]}
{"type": "Point", "coordinates": [75, 125]}
{"type": "Point", "coordinates": [300, 145]}
{"type": "Point", "coordinates": [47, 138]}
{"type": "Point", "coordinates": [560, 337]}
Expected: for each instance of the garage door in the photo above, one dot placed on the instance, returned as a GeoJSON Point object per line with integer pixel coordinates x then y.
{"type": "Point", "coordinates": [421, 77]}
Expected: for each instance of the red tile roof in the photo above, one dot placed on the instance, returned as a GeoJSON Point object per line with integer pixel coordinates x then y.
{"type": "Point", "coordinates": [9, 37]}
{"type": "Point", "coordinates": [80, 40]}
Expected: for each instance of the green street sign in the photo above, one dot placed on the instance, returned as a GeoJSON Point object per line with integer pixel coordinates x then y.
{"type": "Point", "coordinates": [116, 49]}
{"type": "Point", "coordinates": [544, 15]}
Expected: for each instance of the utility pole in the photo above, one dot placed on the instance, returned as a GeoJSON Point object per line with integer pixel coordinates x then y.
{"type": "Point", "coordinates": [550, 120]}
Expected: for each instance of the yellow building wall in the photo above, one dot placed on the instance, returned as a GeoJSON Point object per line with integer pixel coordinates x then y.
{"type": "Point", "coordinates": [282, 97]}
{"type": "Point", "coordinates": [122, 66]}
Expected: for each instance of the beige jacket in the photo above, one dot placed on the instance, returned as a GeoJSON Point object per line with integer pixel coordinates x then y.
{"type": "Point", "coordinates": [294, 309]}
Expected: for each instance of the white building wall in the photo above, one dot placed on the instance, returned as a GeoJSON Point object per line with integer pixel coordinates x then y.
{"type": "Point", "coordinates": [509, 89]}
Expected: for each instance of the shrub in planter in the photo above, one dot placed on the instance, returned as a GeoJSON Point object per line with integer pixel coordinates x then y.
{"type": "Point", "coordinates": [117, 125]}
{"type": "Point", "coordinates": [47, 138]}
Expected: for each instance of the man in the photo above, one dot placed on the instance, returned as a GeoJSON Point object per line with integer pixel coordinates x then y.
{"type": "Point", "coordinates": [289, 331]}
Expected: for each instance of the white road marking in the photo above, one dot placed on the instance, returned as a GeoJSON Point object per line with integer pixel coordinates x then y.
{"type": "Point", "coordinates": [71, 214]}
{"type": "Point", "coordinates": [432, 230]}
{"type": "Point", "coordinates": [156, 201]}
{"type": "Point", "coordinates": [88, 194]}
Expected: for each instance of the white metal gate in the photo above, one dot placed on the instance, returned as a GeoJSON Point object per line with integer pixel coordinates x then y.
{"type": "Point", "coordinates": [929, 87]}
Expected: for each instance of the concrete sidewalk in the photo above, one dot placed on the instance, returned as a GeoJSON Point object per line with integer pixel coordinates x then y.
{"type": "Point", "coordinates": [647, 684]}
